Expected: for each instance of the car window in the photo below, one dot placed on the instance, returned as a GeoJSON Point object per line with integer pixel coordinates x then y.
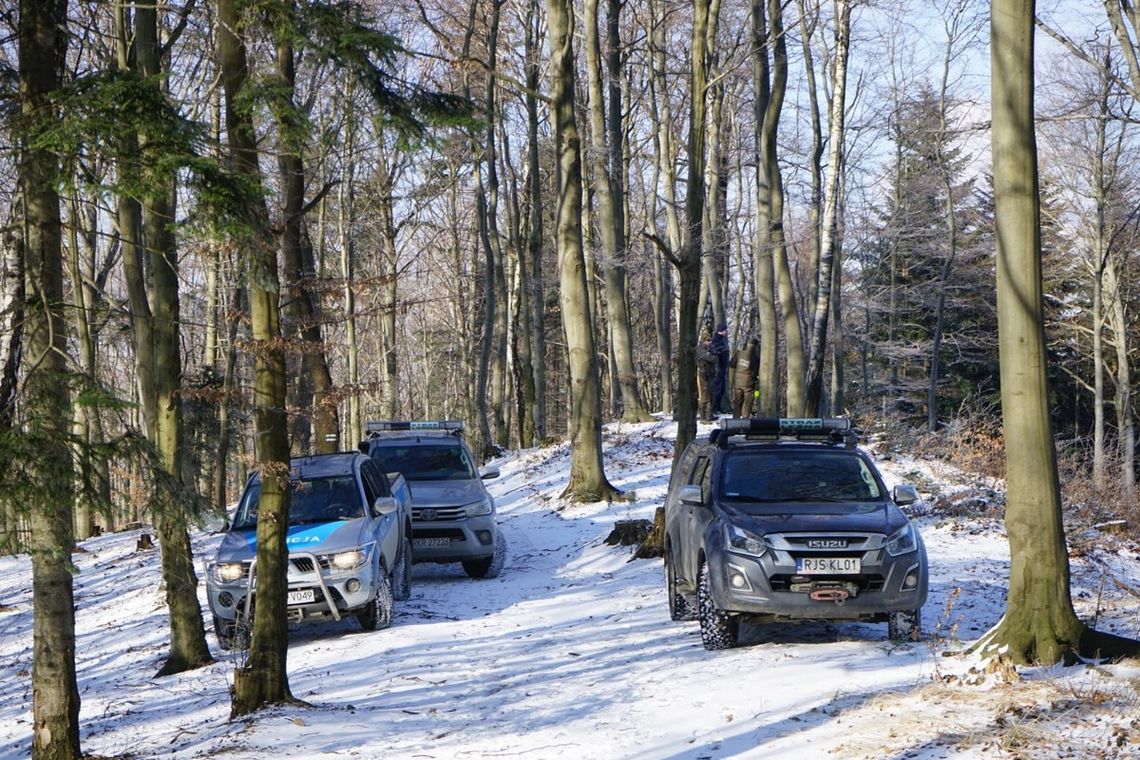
{"type": "Point", "coordinates": [373, 484]}
{"type": "Point", "coordinates": [314, 500]}
{"type": "Point", "coordinates": [427, 461]}
{"type": "Point", "coordinates": [700, 476]}
{"type": "Point", "coordinates": [766, 477]}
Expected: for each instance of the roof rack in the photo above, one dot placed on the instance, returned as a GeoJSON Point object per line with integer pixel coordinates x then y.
{"type": "Point", "coordinates": [831, 429]}
{"type": "Point", "coordinates": [376, 427]}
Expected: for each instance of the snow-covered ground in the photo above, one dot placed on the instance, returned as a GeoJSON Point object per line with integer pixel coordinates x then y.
{"type": "Point", "coordinates": [570, 652]}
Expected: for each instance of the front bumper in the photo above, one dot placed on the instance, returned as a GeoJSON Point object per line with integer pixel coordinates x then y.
{"type": "Point", "coordinates": [331, 592]}
{"type": "Point", "coordinates": [452, 540]}
{"type": "Point", "coordinates": [770, 586]}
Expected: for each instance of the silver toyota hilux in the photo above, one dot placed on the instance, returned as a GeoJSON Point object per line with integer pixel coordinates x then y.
{"type": "Point", "coordinates": [453, 515]}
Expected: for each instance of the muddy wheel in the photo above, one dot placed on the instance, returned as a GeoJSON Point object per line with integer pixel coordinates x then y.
{"type": "Point", "coordinates": [719, 629]}
{"type": "Point", "coordinates": [402, 576]}
{"type": "Point", "coordinates": [377, 615]}
{"type": "Point", "coordinates": [489, 567]}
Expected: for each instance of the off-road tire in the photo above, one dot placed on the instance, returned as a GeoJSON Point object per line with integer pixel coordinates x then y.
{"type": "Point", "coordinates": [377, 615]}
{"type": "Point", "coordinates": [488, 567]}
{"type": "Point", "coordinates": [680, 607]}
{"type": "Point", "coordinates": [906, 625]}
{"type": "Point", "coordinates": [719, 629]}
{"type": "Point", "coordinates": [402, 574]}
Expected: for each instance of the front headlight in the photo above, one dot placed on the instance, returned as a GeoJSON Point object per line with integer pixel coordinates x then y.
{"type": "Point", "coordinates": [902, 541]}
{"type": "Point", "coordinates": [348, 560]}
{"type": "Point", "coordinates": [746, 542]}
{"type": "Point", "coordinates": [479, 508]}
{"type": "Point", "coordinates": [227, 572]}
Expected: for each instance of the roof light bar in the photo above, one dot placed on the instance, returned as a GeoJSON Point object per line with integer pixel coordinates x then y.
{"type": "Point", "coordinates": [786, 426]}
{"type": "Point", "coordinates": [383, 426]}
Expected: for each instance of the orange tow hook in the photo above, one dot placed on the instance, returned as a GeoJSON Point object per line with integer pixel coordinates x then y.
{"type": "Point", "coordinates": [837, 595]}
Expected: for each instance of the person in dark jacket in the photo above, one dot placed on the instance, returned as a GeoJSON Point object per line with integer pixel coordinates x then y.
{"type": "Point", "coordinates": [719, 347]}
{"type": "Point", "coordinates": [745, 365]}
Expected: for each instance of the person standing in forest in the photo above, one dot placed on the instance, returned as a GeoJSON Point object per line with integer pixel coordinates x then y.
{"type": "Point", "coordinates": [719, 348]}
{"type": "Point", "coordinates": [745, 364]}
{"type": "Point", "coordinates": [706, 376]}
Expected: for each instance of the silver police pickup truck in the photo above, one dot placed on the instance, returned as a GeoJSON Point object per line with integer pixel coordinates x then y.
{"type": "Point", "coordinates": [453, 515]}
{"type": "Point", "coordinates": [349, 547]}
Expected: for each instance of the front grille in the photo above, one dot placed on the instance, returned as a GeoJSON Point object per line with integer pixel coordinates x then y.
{"type": "Point", "coordinates": [305, 564]}
{"type": "Point", "coordinates": [438, 514]}
{"type": "Point", "coordinates": [828, 543]}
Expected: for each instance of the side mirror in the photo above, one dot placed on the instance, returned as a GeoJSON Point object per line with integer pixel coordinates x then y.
{"type": "Point", "coordinates": [384, 505]}
{"type": "Point", "coordinates": [905, 494]}
{"type": "Point", "coordinates": [692, 496]}
{"type": "Point", "coordinates": [488, 473]}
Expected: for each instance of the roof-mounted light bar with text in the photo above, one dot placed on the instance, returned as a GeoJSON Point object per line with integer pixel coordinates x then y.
{"type": "Point", "coordinates": [786, 426]}
{"type": "Point", "coordinates": [385, 426]}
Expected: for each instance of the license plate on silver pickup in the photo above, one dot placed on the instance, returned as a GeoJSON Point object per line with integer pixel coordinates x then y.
{"type": "Point", "coordinates": [431, 543]}
{"type": "Point", "coordinates": [301, 596]}
{"type": "Point", "coordinates": [829, 565]}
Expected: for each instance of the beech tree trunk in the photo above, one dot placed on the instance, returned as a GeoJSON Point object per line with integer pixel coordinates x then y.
{"type": "Point", "coordinates": [316, 426]}
{"type": "Point", "coordinates": [1039, 625]}
{"type": "Point", "coordinates": [606, 137]}
{"type": "Point", "coordinates": [813, 394]}
{"type": "Point", "coordinates": [587, 480]}
{"type": "Point", "coordinates": [263, 680]}
{"type": "Point", "coordinates": [47, 459]}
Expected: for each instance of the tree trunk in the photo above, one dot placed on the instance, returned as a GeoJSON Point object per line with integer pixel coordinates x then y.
{"type": "Point", "coordinates": [1039, 624]}
{"type": "Point", "coordinates": [689, 262]}
{"type": "Point", "coordinates": [772, 198]}
{"type": "Point", "coordinates": [346, 215]}
{"type": "Point", "coordinates": [11, 319]}
{"type": "Point", "coordinates": [317, 425]}
{"type": "Point", "coordinates": [532, 279]}
{"type": "Point", "coordinates": [828, 242]}
{"type": "Point", "coordinates": [263, 680]}
{"type": "Point", "coordinates": [606, 135]}
{"type": "Point", "coordinates": [664, 178]}
{"type": "Point", "coordinates": [587, 475]}
{"type": "Point", "coordinates": [55, 695]}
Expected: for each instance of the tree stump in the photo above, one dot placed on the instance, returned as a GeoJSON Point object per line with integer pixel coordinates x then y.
{"type": "Point", "coordinates": [629, 532]}
{"type": "Point", "coordinates": [653, 545]}
{"type": "Point", "coordinates": [145, 543]}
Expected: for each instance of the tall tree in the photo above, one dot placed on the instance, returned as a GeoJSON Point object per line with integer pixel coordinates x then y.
{"type": "Point", "coordinates": [607, 140]}
{"type": "Point", "coordinates": [263, 680]}
{"type": "Point", "coordinates": [1039, 624]}
{"type": "Point", "coordinates": [319, 429]}
{"type": "Point", "coordinates": [188, 647]}
{"type": "Point", "coordinates": [587, 474]}
{"type": "Point", "coordinates": [770, 268]}
{"type": "Point", "coordinates": [43, 35]}
{"type": "Point", "coordinates": [828, 242]}
{"type": "Point", "coordinates": [689, 262]}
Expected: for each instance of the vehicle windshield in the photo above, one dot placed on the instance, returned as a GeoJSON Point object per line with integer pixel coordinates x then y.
{"type": "Point", "coordinates": [426, 461]}
{"type": "Point", "coordinates": [316, 500]}
{"type": "Point", "coordinates": [766, 481]}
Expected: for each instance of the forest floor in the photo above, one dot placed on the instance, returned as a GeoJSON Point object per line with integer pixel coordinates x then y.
{"type": "Point", "coordinates": [571, 650]}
